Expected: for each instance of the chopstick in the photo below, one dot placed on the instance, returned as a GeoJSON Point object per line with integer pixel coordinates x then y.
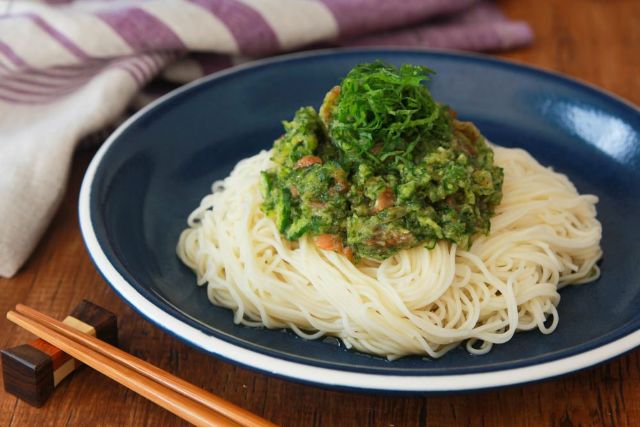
{"type": "Point", "coordinates": [174, 394]}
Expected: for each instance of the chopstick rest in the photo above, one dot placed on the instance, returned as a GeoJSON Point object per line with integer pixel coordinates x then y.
{"type": "Point", "coordinates": [32, 371]}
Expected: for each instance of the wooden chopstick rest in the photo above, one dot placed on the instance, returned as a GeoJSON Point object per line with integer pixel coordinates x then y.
{"type": "Point", "coordinates": [32, 371]}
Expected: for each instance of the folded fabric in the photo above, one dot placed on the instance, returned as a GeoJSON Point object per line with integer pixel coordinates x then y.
{"type": "Point", "coordinates": [71, 68]}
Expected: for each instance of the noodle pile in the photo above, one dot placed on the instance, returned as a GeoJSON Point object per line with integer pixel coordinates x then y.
{"type": "Point", "coordinates": [543, 236]}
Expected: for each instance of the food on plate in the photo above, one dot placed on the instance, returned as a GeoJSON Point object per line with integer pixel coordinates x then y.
{"type": "Point", "coordinates": [385, 221]}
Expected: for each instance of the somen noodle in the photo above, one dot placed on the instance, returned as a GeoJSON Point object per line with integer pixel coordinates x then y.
{"type": "Point", "coordinates": [544, 235]}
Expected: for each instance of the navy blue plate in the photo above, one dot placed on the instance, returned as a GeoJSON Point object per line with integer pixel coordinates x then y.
{"type": "Point", "coordinates": [154, 170]}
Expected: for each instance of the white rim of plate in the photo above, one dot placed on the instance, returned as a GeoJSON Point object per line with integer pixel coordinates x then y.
{"type": "Point", "coordinates": [310, 373]}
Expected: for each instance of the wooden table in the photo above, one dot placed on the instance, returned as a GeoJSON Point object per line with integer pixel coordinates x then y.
{"type": "Point", "coordinates": [594, 40]}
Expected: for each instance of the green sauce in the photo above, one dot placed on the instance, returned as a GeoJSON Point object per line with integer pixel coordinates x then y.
{"type": "Point", "coordinates": [382, 167]}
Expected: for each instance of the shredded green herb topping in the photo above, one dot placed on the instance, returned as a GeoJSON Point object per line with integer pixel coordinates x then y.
{"type": "Point", "coordinates": [382, 167]}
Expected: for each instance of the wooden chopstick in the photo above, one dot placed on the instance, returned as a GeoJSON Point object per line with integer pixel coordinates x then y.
{"type": "Point", "coordinates": [174, 394]}
{"type": "Point", "coordinates": [173, 401]}
{"type": "Point", "coordinates": [236, 413]}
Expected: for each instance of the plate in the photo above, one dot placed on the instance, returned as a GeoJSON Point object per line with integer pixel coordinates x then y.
{"type": "Point", "coordinates": [156, 167]}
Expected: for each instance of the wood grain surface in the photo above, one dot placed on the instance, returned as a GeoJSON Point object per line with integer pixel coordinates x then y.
{"type": "Point", "coordinates": [597, 41]}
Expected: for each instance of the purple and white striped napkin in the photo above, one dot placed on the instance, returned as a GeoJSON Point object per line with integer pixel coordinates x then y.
{"type": "Point", "coordinates": [70, 68]}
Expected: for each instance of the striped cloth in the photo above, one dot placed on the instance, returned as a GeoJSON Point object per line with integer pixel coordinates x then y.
{"type": "Point", "coordinates": [71, 68]}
